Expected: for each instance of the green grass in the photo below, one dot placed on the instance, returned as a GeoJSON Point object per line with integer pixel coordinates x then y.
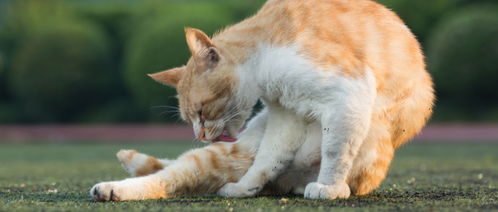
{"type": "Point", "coordinates": [423, 177]}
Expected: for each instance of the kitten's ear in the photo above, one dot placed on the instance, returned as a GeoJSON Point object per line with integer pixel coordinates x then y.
{"type": "Point", "coordinates": [201, 47]}
{"type": "Point", "coordinates": [169, 77]}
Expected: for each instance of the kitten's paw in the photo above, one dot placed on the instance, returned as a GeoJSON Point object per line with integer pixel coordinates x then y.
{"type": "Point", "coordinates": [237, 190]}
{"type": "Point", "coordinates": [126, 155]}
{"type": "Point", "coordinates": [131, 160]}
{"type": "Point", "coordinates": [320, 191]}
{"type": "Point", "coordinates": [139, 164]}
{"type": "Point", "coordinates": [104, 192]}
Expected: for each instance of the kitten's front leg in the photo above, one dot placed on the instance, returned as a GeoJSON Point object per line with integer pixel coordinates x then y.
{"type": "Point", "coordinates": [282, 137]}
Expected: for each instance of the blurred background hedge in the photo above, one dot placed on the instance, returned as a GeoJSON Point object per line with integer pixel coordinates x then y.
{"type": "Point", "coordinates": [158, 44]}
{"type": "Point", "coordinates": [463, 57]}
{"type": "Point", "coordinates": [85, 61]}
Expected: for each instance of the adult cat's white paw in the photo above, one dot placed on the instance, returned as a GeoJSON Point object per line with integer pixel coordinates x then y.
{"type": "Point", "coordinates": [237, 190]}
{"type": "Point", "coordinates": [320, 191]}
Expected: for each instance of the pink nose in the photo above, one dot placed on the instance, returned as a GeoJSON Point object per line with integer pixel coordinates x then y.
{"type": "Point", "coordinates": [201, 136]}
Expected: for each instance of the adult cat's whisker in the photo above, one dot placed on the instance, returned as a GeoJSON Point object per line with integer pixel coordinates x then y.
{"type": "Point", "coordinates": [230, 112]}
{"type": "Point", "coordinates": [172, 111]}
{"type": "Point", "coordinates": [173, 114]}
{"type": "Point", "coordinates": [166, 106]}
{"type": "Point", "coordinates": [228, 118]}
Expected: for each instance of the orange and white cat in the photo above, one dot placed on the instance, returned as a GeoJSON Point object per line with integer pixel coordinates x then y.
{"type": "Point", "coordinates": [343, 83]}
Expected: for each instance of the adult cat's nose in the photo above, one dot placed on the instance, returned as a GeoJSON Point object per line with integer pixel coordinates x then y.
{"type": "Point", "coordinates": [201, 136]}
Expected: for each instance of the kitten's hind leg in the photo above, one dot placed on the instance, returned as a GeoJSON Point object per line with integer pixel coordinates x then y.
{"type": "Point", "coordinates": [198, 171]}
{"type": "Point", "coordinates": [139, 164]}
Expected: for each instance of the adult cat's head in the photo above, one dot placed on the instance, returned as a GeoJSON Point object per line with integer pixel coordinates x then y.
{"type": "Point", "coordinates": [207, 90]}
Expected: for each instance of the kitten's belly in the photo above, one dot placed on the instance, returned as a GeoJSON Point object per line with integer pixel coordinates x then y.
{"type": "Point", "coordinates": [309, 154]}
{"type": "Point", "coordinates": [306, 165]}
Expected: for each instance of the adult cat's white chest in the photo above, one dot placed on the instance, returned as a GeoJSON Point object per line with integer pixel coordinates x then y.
{"type": "Point", "coordinates": [283, 76]}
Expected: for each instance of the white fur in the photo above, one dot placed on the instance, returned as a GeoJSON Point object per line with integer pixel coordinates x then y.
{"type": "Point", "coordinates": [283, 136]}
{"type": "Point", "coordinates": [296, 94]}
{"type": "Point", "coordinates": [306, 138]}
{"type": "Point", "coordinates": [137, 188]}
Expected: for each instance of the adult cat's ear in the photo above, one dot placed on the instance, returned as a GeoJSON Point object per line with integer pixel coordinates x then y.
{"type": "Point", "coordinates": [201, 47]}
{"type": "Point", "coordinates": [169, 77]}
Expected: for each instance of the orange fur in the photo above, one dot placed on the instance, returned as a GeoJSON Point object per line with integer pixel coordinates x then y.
{"type": "Point", "coordinates": [348, 34]}
{"type": "Point", "coordinates": [152, 165]}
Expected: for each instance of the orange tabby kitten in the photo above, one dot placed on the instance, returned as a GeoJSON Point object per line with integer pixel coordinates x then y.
{"type": "Point", "coordinates": [344, 85]}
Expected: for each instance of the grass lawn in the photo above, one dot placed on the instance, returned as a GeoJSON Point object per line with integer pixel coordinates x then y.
{"type": "Point", "coordinates": [423, 177]}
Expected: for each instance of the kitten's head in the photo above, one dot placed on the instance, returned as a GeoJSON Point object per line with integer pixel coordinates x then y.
{"type": "Point", "coordinates": [207, 88]}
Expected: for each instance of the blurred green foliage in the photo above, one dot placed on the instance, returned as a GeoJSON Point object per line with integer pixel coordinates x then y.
{"type": "Point", "coordinates": [61, 70]}
{"type": "Point", "coordinates": [463, 55]}
{"type": "Point", "coordinates": [3, 64]}
{"type": "Point", "coordinates": [85, 61]}
{"type": "Point", "coordinates": [159, 44]}
{"type": "Point", "coordinates": [421, 16]}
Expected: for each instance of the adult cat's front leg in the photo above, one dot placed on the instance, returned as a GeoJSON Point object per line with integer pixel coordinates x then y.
{"type": "Point", "coordinates": [282, 137]}
{"type": "Point", "coordinates": [345, 126]}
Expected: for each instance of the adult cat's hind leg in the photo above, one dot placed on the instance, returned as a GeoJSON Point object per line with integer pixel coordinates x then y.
{"type": "Point", "coordinates": [139, 164]}
{"type": "Point", "coordinates": [371, 166]}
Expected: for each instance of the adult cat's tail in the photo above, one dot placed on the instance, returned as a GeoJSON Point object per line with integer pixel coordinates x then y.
{"type": "Point", "coordinates": [414, 112]}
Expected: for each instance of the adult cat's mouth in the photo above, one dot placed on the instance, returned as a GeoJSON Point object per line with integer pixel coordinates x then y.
{"type": "Point", "coordinates": [225, 137]}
